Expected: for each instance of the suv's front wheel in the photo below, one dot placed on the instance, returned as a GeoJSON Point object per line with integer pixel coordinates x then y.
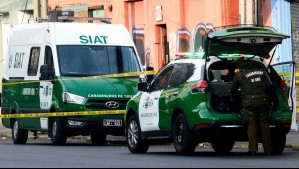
{"type": "Point", "coordinates": [133, 136]}
{"type": "Point", "coordinates": [184, 140]}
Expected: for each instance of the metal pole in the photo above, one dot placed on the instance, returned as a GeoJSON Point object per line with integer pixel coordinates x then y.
{"type": "Point", "coordinates": [36, 9]}
{"type": "Point", "coordinates": [44, 8]}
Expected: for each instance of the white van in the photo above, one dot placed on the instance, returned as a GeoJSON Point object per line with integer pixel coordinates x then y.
{"type": "Point", "coordinates": [54, 67]}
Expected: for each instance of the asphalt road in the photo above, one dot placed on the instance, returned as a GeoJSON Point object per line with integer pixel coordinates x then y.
{"type": "Point", "coordinates": [39, 153]}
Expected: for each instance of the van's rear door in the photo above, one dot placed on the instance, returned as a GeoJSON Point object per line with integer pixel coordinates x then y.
{"type": "Point", "coordinates": [287, 72]}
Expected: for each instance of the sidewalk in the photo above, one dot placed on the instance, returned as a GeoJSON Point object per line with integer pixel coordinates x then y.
{"type": "Point", "coordinates": [291, 142]}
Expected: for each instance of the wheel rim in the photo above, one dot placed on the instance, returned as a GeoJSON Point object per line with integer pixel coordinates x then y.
{"type": "Point", "coordinates": [54, 129]}
{"type": "Point", "coordinates": [179, 132]}
{"type": "Point", "coordinates": [133, 134]}
{"type": "Point", "coordinates": [15, 129]}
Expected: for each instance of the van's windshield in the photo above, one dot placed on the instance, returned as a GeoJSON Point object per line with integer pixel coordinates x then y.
{"type": "Point", "coordinates": [83, 60]}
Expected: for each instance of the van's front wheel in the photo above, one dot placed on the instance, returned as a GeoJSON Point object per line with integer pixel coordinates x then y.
{"type": "Point", "coordinates": [19, 136]}
{"type": "Point", "coordinates": [98, 139]}
{"type": "Point", "coordinates": [56, 133]}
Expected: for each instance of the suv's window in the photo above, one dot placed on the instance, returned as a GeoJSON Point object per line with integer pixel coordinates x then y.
{"type": "Point", "coordinates": [83, 60]}
{"type": "Point", "coordinates": [162, 79]}
{"type": "Point", "coordinates": [181, 73]}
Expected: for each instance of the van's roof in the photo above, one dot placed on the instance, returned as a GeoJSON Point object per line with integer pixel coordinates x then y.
{"type": "Point", "coordinates": [72, 33]}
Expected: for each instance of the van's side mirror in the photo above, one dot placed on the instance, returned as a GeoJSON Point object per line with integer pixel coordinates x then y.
{"type": "Point", "coordinates": [142, 86]}
{"type": "Point", "coordinates": [46, 72]}
{"type": "Point", "coordinates": [149, 77]}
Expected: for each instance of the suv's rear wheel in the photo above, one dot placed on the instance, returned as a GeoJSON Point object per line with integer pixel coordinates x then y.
{"type": "Point", "coordinates": [133, 136]}
{"type": "Point", "coordinates": [184, 140]}
{"type": "Point", "coordinates": [278, 142]}
{"type": "Point", "coordinates": [222, 145]}
{"type": "Point", "coordinates": [19, 136]}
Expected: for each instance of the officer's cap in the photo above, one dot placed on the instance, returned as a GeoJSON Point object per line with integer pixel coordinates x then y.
{"type": "Point", "coordinates": [238, 62]}
{"type": "Point", "coordinates": [241, 63]}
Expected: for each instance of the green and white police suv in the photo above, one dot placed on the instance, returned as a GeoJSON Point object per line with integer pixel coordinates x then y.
{"type": "Point", "coordinates": [189, 101]}
{"type": "Point", "coordinates": [56, 67]}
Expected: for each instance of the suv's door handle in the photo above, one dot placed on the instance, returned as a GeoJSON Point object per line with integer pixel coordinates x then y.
{"type": "Point", "coordinates": [156, 98]}
{"type": "Point", "coordinates": [175, 93]}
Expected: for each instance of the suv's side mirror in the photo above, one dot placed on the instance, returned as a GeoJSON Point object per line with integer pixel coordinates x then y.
{"type": "Point", "coordinates": [46, 73]}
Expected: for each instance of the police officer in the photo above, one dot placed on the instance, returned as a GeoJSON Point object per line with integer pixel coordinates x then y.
{"type": "Point", "coordinates": [253, 84]}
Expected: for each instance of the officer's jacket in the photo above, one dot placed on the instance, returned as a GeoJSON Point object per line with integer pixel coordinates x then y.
{"type": "Point", "coordinates": [252, 82]}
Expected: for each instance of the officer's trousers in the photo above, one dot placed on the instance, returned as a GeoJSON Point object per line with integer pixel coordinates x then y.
{"type": "Point", "coordinates": [252, 132]}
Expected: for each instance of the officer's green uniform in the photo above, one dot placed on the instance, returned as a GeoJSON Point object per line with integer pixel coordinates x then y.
{"type": "Point", "coordinates": [253, 84]}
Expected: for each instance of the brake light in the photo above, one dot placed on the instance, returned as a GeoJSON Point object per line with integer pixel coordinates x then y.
{"type": "Point", "coordinates": [283, 85]}
{"type": "Point", "coordinates": [202, 126]}
{"type": "Point", "coordinates": [287, 126]}
{"type": "Point", "coordinates": [200, 86]}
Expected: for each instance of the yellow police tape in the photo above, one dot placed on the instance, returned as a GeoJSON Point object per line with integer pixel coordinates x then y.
{"type": "Point", "coordinates": [79, 113]}
{"type": "Point", "coordinates": [288, 74]}
{"type": "Point", "coordinates": [89, 77]}
{"type": "Point", "coordinates": [58, 114]}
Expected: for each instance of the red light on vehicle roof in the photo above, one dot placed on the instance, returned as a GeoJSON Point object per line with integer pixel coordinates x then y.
{"type": "Point", "coordinates": [180, 55]}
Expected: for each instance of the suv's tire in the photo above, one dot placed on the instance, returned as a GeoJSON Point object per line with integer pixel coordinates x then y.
{"type": "Point", "coordinates": [184, 140]}
{"type": "Point", "coordinates": [133, 136]}
{"type": "Point", "coordinates": [222, 146]}
{"type": "Point", "coordinates": [56, 134]}
{"type": "Point", "coordinates": [98, 139]}
{"type": "Point", "coordinates": [19, 136]}
{"type": "Point", "coordinates": [278, 142]}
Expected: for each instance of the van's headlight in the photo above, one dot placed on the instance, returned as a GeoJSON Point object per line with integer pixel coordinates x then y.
{"type": "Point", "coordinates": [72, 98]}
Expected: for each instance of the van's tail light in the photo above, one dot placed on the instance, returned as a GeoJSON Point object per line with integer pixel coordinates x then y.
{"type": "Point", "coordinates": [200, 86]}
{"type": "Point", "coordinates": [283, 85]}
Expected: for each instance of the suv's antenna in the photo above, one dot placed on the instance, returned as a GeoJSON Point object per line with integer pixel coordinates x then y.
{"type": "Point", "coordinates": [272, 57]}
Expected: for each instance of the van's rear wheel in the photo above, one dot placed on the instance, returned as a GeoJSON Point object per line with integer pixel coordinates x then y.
{"type": "Point", "coordinates": [56, 133]}
{"type": "Point", "coordinates": [19, 136]}
{"type": "Point", "coordinates": [98, 139]}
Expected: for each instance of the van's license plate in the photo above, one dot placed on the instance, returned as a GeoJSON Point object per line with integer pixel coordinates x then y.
{"type": "Point", "coordinates": [110, 122]}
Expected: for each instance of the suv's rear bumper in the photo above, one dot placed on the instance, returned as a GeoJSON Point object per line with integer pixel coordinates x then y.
{"type": "Point", "coordinates": [233, 130]}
